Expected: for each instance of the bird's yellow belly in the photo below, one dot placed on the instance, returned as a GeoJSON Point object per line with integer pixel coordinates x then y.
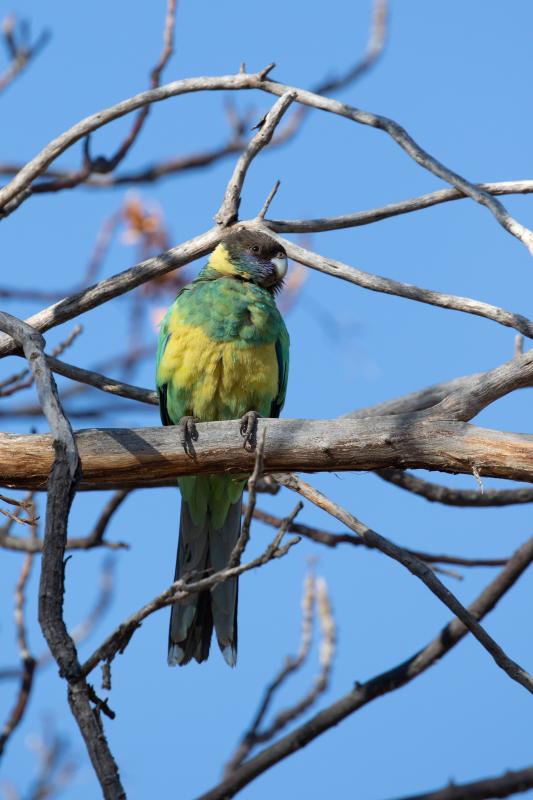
{"type": "Point", "coordinates": [222, 380]}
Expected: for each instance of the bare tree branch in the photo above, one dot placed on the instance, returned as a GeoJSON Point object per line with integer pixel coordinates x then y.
{"type": "Point", "coordinates": [64, 475]}
{"type": "Point", "coordinates": [363, 693]}
{"type": "Point", "coordinates": [377, 283]}
{"type": "Point", "coordinates": [17, 189]}
{"type": "Point", "coordinates": [315, 595]}
{"type": "Point", "coordinates": [436, 493]}
{"type": "Point", "coordinates": [16, 39]}
{"type": "Point", "coordinates": [124, 458]}
{"type": "Point", "coordinates": [512, 782]}
{"type": "Point", "coordinates": [27, 660]}
{"type": "Point", "coordinates": [228, 211]}
{"type": "Point", "coordinates": [359, 218]}
{"type": "Point", "coordinates": [334, 539]}
{"type": "Point", "coordinates": [417, 568]}
{"type": "Point", "coordinates": [120, 638]}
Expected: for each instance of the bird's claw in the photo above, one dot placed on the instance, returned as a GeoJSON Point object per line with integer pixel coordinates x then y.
{"type": "Point", "coordinates": [188, 434]}
{"type": "Point", "coordinates": [248, 429]}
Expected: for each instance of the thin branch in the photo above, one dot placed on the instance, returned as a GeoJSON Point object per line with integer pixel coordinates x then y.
{"type": "Point", "coordinates": [102, 382]}
{"type": "Point", "coordinates": [511, 782]}
{"type": "Point", "coordinates": [14, 384]}
{"type": "Point", "coordinates": [266, 204]}
{"type": "Point", "coordinates": [227, 214]}
{"type": "Point", "coordinates": [120, 638]}
{"type": "Point", "coordinates": [105, 290]}
{"type": "Point", "coordinates": [334, 539]}
{"type": "Point", "coordinates": [27, 660]}
{"type": "Point", "coordinates": [16, 38]}
{"type": "Point", "coordinates": [417, 568]}
{"type": "Point", "coordinates": [315, 594]}
{"type": "Point", "coordinates": [244, 536]}
{"type": "Point", "coordinates": [377, 283]}
{"type": "Point", "coordinates": [436, 493]}
{"type": "Point", "coordinates": [102, 164]}
{"type": "Point", "coordinates": [17, 189]}
{"type": "Point", "coordinates": [391, 680]}
{"type": "Point", "coordinates": [373, 215]}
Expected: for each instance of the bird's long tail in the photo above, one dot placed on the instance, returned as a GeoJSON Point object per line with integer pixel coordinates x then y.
{"type": "Point", "coordinates": [203, 549]}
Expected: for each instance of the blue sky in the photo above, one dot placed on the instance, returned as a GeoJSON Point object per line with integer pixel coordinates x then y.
{"type": "Point", "coordinates": [457, 76]}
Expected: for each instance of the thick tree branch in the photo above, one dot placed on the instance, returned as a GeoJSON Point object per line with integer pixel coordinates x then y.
{"type": "Point", "coordinates": [124, 458]}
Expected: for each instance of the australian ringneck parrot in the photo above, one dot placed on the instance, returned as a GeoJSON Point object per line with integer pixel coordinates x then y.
{"type": "Point", "coordinates": [223, 352]}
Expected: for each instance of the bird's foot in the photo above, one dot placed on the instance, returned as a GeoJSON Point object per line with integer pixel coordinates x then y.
{"type": "Point", "coordinates": [248, 429]}
{"type": "Point", "coordinates": [188, 434]}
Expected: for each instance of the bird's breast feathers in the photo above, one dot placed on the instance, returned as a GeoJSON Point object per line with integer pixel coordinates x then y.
{"type": "Point", "coordinates": [220, 359]}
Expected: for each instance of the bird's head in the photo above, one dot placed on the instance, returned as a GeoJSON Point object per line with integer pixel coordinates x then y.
{"type": "Point", "coordinates": [250, 256]}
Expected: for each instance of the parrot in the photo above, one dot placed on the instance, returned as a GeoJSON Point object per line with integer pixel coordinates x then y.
{"type": "Point", "coordinates": [223, 353]}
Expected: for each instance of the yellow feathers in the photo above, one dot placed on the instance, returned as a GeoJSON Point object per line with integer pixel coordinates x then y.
{"type": "Point", "coordinates": [220, 261]}
{"type": "Point", "coordinates": [223, 380]}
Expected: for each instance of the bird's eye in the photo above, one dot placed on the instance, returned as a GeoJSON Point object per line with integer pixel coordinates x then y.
{"type": "Point", "coordinates": [255, 248]}
{"type": "Point", "coordinates": [281, 254]}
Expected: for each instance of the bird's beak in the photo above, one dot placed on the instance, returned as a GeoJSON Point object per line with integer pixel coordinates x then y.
{"type": "Point", "coordinates": [280, 265]}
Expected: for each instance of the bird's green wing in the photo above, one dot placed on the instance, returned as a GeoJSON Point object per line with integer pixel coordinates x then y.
{"type": "Point", "coordinates": [164, 336]}
{"type": "Point", "coordinates": [282, 353]}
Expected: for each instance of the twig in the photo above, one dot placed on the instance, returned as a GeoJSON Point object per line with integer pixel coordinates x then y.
{"type": "Point", "coordinates": [102, 164]}
{"type": "Point", "coordinates": [27, 660]}
{"type": "Point", "coordinates": [7, 388]}
{"type": "Point", "coordinates": [102, 382]}
{"type": "Point", "coordinates": [254, 735]}
{"type": "Point", "coordinates": [270, 197]}
{"type": "Point", "coordinates": [244, 536]}
{"type": "Point", "coordinates": [228, 211]}
{"type": "Point", "coordinates": [16, 38]}
{"type": "Point", "coordinates": [417, 568]}
{"type": "Point", "coordinates": [334, 539]}
{"type": "Point", "coordinates": [120, 638]}
{"type": "Point", "coordinates": [391, 680]}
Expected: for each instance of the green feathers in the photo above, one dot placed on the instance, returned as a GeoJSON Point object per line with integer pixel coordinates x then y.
{"type": "Point", "coordinates": [223, 351]}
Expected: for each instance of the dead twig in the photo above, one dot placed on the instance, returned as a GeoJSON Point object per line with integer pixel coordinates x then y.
{"type": "Point", "coordinates": [120, 638]}
{"type": "Point", "coordinates": [27, 660]}
{"type": "Point", "coordinates": [315, 596]}
{"type": "Point", "coordinates": [16, 37]}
